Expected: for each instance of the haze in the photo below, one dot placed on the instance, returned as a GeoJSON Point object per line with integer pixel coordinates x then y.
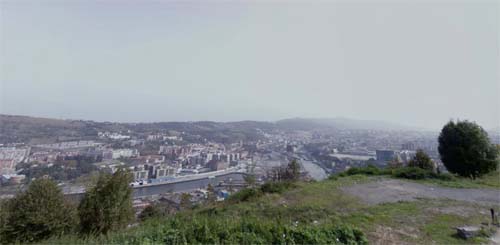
{"type": "Point", "coordinates": [417, 63]}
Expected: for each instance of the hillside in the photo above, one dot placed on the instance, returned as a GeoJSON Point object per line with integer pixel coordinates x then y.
{"type": "Point", "coordinates": [308, 208]}
{"type": "Point", "coordinates": [36, 130]}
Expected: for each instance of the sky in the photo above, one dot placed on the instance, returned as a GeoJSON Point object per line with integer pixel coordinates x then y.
{"type": "Point", "coordinates": [416, 63]}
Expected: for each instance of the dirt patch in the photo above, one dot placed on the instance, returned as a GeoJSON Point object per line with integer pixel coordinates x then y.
{"type": "Point", "coordinates": [388, 235]}
{"type": "Point", "coordinates": [392, 190]}
{"type": "Point", "coordinates": [456, 210]}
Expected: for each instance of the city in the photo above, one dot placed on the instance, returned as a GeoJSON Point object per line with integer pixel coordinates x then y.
{"type": "Point", "coordinates": [165, 162]}
{"type": "Point", "coordinates": [249, 122]}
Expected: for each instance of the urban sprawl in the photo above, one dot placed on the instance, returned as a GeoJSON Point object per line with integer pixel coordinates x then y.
{"type": "Point", "coordinates": [167, 164]}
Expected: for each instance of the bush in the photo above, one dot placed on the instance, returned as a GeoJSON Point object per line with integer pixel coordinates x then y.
{"type": "Point", "coordinates": [403, 172]}
{"type": "Point", "coordinates": [151, 211]}
{"type": "Point", "coordinates": [36, 214]}
{"type": "Point", "coordinates": [245, 195]}
{"type": "Point", "coordinates": [368, 170]}
{"type": "Point", "coordinates": [421, 160]}
{"type": "Point", "coordinates": [418, 173]}
{"type": "Point", "coordinates": [276, 187]}
{"type": "Point", "coordinates": [412, 173]}
{"type": "Point", "coordinates": [249, 194]}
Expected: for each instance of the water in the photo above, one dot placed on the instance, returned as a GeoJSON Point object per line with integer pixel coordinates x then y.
{"type": "Point", "coordinates": [316, 172]}
{"type": "Point", "coordinates": [182, 186]}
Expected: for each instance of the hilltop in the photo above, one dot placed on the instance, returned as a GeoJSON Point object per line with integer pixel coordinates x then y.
{"type": "Point", "coordinates": [303, 208]}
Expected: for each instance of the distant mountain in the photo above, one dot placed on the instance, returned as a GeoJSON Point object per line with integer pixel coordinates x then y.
{"type": "Point", "coordinates": [339, 123]}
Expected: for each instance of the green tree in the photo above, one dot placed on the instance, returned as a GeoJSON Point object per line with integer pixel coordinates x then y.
{"type": "Point", "coordinates": [36, 214]}
{"type": "Point", "coordinates": [249, 179]}
{"type": "Point", "coordinates": [421, 160]}
{"type": "Point", "coordinates": [466, 150]}
{"type": "Point", "coordinates": [108, 205]}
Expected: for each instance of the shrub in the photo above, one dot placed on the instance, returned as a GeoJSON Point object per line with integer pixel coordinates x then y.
{"type": "Point", "coordinates": [151, 211]}
{"type": "Point", "coordinates": [368, 170]}
{"type": "Point", "coordinates": [412, 173]}
{"type": "Point", "coordinates": [421, 160]}
{"type": "Point", "coordinates": [245, 195]}
{"type": "Point", "coordinates": [418, 173]}
{"type": "Point", "coordinates": [276, 187]}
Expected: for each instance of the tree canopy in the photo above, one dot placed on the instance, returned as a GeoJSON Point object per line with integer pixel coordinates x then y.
{"type": "Point", "coordinates": [466, 150]}
{"type": "Point", "coordinates": [108, 205]}
{"type": "Point", "coordinates": [36, 214]}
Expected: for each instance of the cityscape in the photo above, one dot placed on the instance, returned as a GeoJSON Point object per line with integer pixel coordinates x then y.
{"type": "Point", "coordinates": [161, 159]}
{"type": "Point", "coordinates": [249, 122]}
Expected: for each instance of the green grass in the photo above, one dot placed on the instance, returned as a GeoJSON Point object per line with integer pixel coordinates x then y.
{"type": "Point", "coordinates": [308, 210]}
{"type": "Point", "coordinates": [422, 222]}
{"type": "Point", "coordinates": [439, 230]}
{"type": "Point", "coordinates": [491, 180]}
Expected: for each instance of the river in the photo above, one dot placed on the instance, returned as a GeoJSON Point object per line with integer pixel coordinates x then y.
{"type": "Point", "coordinates": [181, 186]}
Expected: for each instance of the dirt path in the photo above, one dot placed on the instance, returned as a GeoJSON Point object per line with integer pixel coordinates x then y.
{"type": "Point", "coordinates": [495, 239]}
{"type": "Point", "coordinates": [392, 190]}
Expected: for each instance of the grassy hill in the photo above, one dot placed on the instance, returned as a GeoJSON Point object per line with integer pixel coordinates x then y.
{"type": "Point", "coordinates": [302, 212]}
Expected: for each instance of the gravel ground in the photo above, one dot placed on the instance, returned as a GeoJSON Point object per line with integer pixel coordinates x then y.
{"type": "Point", "coordinates": [391, 190]}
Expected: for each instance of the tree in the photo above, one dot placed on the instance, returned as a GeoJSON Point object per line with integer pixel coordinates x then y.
{"type": "Point", "coordinates": [249, 179]}
{"type": "Point", "coordinates": [108, 205]}
{"type": "Point", "coordinates": [290, 172]}
{"type": "Point", "coordinates": [421, 160]}
{"type": "Point", "coordinates": [466, 150]}
{"type": "Point", "coordinates": [38, 213]}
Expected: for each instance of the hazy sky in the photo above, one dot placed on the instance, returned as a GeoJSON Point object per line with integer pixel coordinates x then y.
{"type": "Point", "coordinates": [417, 63]}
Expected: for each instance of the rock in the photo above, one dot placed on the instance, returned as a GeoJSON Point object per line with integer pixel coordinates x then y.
{"type": "Point", "coordinates": [467, 232]}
